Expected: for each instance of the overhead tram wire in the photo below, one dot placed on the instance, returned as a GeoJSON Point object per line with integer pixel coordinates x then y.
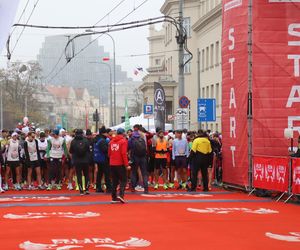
{"type": "Point", "coordinates": [23, 12]}
{"type": "Point", "coordinates": [30, 15]}
{"type": "Point", "coordinates": [63, 67]}
{"type": "Point", "coordinates": [111, 29]}
{"type": "Point", "coordinates": [63, 52]}
{"type": "Point", "coordinates": [122, 1]}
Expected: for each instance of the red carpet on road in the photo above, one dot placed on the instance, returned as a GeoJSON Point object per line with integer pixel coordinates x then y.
{"type": "Point", "coordinates": [160, 220]}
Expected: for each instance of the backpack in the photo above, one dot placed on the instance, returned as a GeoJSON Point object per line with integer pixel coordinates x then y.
{"type": "Point", "coordinates": [80, 148]}
{"type": "Point", "coordinates": [139, 147]}
{"type": "Point", "coordinates": [99, 154]}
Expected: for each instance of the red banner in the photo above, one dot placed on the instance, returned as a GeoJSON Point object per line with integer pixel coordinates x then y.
{"type": "Point", "coordinates": [234, 92]}
{"type": "Point", "coordinates": [276, 81]}
{"type": "Point", "coordinates": [296, 176]}
{"type": "Point", "coordinates": [271, 173]}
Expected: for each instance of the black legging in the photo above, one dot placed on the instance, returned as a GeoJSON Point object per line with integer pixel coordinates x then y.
{"type": "Point", "coordinates": [82, 167]}
{"type": "Point", "coordinates": [103, 169]}
{"type": "Point", "coordinates": [55, 170]}
{"type": "Point", "coordinates": [201, 162]}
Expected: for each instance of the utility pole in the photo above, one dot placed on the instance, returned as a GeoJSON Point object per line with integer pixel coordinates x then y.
{"type": "Point", "coordinates": [26, 105]}
{"type": "Point", "coordinates": [180, 41]}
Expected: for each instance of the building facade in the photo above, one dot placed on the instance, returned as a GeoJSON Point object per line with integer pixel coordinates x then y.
{"type": "Point", "coordinates": [203, 75]}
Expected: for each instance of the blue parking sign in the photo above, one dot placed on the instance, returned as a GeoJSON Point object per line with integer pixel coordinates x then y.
{"type": "Point", "coordinates": [207, 110]}
{"type": "Point", "coordinates": [148, 109]}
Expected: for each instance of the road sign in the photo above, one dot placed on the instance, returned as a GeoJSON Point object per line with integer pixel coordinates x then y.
{"type": "Point", "coordinates": [184, 102]}
{"type": "Point", "coordinates": [207, 110]}
{"type": "Point", "coordinates": [148, 109]}
{"type": "Point", "coordinates": [182, 118]}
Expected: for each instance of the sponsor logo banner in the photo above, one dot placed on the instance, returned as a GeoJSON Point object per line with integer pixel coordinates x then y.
{"type": "Point", "coordinates": [70, 215]}
{"type": "Point", "coordinates": [232, 210]}
{"type": "Point", "coordinates": [296, 176]}
{"type": "Point", "coordinates": [271, 173]}
{"type": "Point", "coordinates": [234, 91]}
{"type": "Point", "coordinates": [60, 244]}
{"type": "Point", "coordinates": [34, 198]}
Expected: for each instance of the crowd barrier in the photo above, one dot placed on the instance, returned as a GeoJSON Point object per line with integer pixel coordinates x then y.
{"type": "Point", "coordinates": [280, 174]}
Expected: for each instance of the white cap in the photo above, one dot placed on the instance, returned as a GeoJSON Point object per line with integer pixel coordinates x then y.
{"type": "Point", "coordinates": [61, 131]}
{"type": "Point", "coordinates": [14, 134]}
{"type": "Point", "coordinates": [37, 130]}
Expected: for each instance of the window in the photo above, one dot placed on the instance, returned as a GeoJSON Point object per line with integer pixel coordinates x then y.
{"type": "Point", "coordinates": [157, 62]}
{"type": "Point", "coordinates": [217, 52]}
{"type": "Point", "coordinates": [207, 92]}
{"type": "Point", "coordinates": [203, 93]}
{"type": "Point", "coordinates": [211, 55]}
{"type": "Point", "coordinates": [187, 67]}
{"type": "Point", "coordinates": [170, 32]}
{"type": "Point", "coordinates": [212, 127]}
{"type": "Point", "coordinates": [207, 58]}
{"type": "Point", "coordinates": [187, 25]}
{"type": "Point", "coordinates": [202, 63]}
{"type": "Point", "coordinates": [217, 127]}
{"type": "Point", "coordinates": [217, 94]}
{"type": "Point", "coordinates": [212, 91]}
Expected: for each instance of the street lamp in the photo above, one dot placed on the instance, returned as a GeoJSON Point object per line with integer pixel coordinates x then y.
{"type": "Point", "coordinates": [114, 72]}
{"type": "Point", "coordinates": [110, 86]}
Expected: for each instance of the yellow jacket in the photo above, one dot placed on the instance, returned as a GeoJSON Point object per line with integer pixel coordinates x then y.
{"type": "Point", "coordinates": [202, 145]}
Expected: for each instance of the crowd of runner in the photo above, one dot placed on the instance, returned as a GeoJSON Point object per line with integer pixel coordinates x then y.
{"type": "Point", "coordinates": [109, 161]}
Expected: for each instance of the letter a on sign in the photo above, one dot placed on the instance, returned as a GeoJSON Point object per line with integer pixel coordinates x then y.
{"type": "Point", "coordinates": [293, 98]}
{"type": "Point", "coordinates": [232, 98]}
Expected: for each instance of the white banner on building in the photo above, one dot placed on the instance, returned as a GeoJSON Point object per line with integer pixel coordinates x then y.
{"type": "Point", "coordinates": [8, 9]}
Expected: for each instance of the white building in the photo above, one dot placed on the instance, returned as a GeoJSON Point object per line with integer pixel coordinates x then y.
{"type": "Point", "coordinates": [203, 23]}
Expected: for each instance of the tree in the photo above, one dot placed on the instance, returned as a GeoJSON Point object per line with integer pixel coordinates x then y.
{"type": "Point", "coordinates": [19, 84]}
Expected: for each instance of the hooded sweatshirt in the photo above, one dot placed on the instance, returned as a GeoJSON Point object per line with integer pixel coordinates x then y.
{"type": "Point", "coordinates": [117, 151]}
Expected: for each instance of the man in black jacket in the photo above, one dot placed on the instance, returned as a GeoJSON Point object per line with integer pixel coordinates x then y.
{"type": "Point", "coordinates": [80, 152]}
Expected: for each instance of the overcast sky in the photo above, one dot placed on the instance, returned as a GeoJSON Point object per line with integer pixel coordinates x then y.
{"type": "Point", "coordinates": [85, 13]}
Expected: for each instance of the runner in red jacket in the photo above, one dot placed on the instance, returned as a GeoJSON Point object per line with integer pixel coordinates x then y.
{"type": "Point", "coordinates": [118, 161]}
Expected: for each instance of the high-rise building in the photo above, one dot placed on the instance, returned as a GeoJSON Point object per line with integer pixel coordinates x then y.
{"type": "Point", "coordinates": [79, 72]}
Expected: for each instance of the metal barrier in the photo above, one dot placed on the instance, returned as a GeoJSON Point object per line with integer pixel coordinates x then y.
{"type": "Point", "coordinates": [280, 174]}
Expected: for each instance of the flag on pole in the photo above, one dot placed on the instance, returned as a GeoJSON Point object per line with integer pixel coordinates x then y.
{"type": "Point", "coordinates": [137, 70]}
{"type": "Point", "coordinates": [127, 121]}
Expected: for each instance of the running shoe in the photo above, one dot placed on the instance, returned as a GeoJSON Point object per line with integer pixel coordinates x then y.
{"type": "Point", "coordinates": [139, 189]}
{"type": "Point", "coordinates": [5, 187]}
{"type": "Point", "coordinates": [156, 186]}
{"type": "Point", "coordinates": [18, 187]}
{"type": "Point", "coordinates": [70, 186]}
{"type": "Point", "coordinates": [81, 193]}
{"type": "Point", "coordinates": [121, 199]}
{"type": "Point", "coordinates": [1, 190]}
{"type": "Point", "coordinates": [49, 188]}
{"type": "Point", "coordinates": [86, 192]}
{"type": "Point", "coordinates": [114, 201]}
{"type": "Point", "coordinates": [166, 186]}
{"type": "Point", "coordinates": [30, 187]}
{"type": "Point", "coordinates": [41, 187]}
{"type": "Point", "coordinates": [58, 187]}
{"type": "Point", "coordinates": [183, 185]}
{"type": "Point", "coordinates": [171, 185]}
